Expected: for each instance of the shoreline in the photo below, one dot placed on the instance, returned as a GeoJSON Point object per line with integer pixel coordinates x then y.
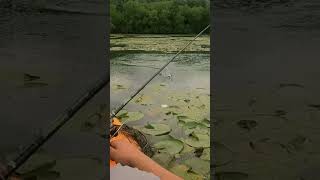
{"type": "Point", "coordinates": [157, 43]}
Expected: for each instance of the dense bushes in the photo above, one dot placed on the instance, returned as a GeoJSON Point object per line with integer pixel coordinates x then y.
{"type": "Point", "coordinates": [159, 16]}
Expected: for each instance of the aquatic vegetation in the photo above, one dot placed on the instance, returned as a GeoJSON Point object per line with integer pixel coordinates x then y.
{"type": "Point", "coordinates": [87, 166]}
{"type": "Point", "coordinates": [171, 146]}
{"type": "Point", "coordinates": [296, 85]}
{"type": "Point", "coordinates": [231, 175]}
{"type": "Point", "coordinates": [164, 43]}
{"type": "Point", "coordinates": [164, 159]}
{"type": "Point", "coordinates": [47, 166]}
{"type": "Point", "coordinates": [198, 140]}
{"type": "Point", "coordinates": [131, 116]}
{"type": "Point", "coordinates": [316, 106]}
{"type": "Point", "coordinates": [42, 172]}
{"type": "Point", "coordinates": [205, 154]}
{"type": "Point", "coordinates": [179, 135]}
{"type": "Point", "coordinates": [34, 84]}
{"type": "Point", "coordinates": [118, 87]}
{"type": "Point", "coordinates": [33, 81]}
{"type": "Point", "coordinates": [198, 165]}
{"type": "Point", "coordinates": [29, 77]}
{"type": "Point", "coordinates": [177, 109]}
{"type": "Point", "coordinates": [185, 172]}
{"type": "Point", "coordinates": [223, 155]}
{"type": "Point", "coordinates": [156, 129]}
{"type": "Point", "coordinates": [247, 124]}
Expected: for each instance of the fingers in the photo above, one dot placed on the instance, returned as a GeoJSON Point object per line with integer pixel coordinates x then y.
{"type": "Point", "coordinates": [3, 171]}
{"type": "Point", "coordinates": [114, 144]}
{"type": "Point", "coordinates": [118, 142]}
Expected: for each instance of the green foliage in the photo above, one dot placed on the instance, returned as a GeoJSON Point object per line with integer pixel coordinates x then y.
{"type": "Point", "coordinates": [158, 17]}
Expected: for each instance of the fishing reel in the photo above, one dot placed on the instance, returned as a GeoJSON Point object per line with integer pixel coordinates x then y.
{"type": "Point", "coordinates": [115, 126]}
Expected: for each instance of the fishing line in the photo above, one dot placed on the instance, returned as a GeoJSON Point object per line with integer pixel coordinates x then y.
{"type": "Point", "coordinates": [116, 111]}
{"type": "Point", "coordinates": [62, 120]}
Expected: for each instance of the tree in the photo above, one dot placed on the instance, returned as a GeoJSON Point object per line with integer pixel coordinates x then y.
{"type": "Point", "coordinates": [158, 16]}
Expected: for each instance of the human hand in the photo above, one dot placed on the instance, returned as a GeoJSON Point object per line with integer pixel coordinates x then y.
{"type": "Point", "coordinates": [3, 171]}
{"type": "Point", "coordinates": [124, 152]}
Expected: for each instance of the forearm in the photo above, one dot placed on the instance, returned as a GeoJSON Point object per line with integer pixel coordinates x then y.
{"type": "Point", "coordinates": [144, 163]}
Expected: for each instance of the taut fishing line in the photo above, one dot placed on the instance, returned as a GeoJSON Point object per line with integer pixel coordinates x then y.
{"type": "Point", "coordinates": [116, 111]}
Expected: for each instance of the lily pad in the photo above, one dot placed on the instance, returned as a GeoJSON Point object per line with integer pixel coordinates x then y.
{"type": "Point", "coordinates": [156, 129]}
{"type": "Point", "coordinates": [187, 149]}
{"type": "Point", "coordinates": [266, 146]}
{"type": "Point", "coordinates": [84, 168]}
{"type": "Point", "coordinates": [184, 119]}
{"type": "Point", "coordinates": [247, 124]}
{"type": "Point", "coordinates": [191, 125]}
{"type": "Point", "coordinates": [35, 84]}
{"type": "Point", "coordinates": [122, 113]}
{"type": "Point", "coordinates": [43, 171]}
{"type": "Point", "coordinates": [223, 155]}
{"type": "Point", "coordinates": [183, 171]}
{"type": "Point", "coordinates": [155, 139]}
{"type": "Point", "coordinates": [172, 146]}
{"type": "Point", "coordinates": [174, 107]}
{"type": "Point", "coordinates": [48, 175]}
{"type": "Point", "coordinates": [87, 126]}
{"type": "Point", "coordinates": [231, 176]}
{"type": "Point", "coordinates": [195, 127]}
{"type": "Point", "coordinates": [196, 114]}
{"type": "Point", "coordinates": [206, 122]}
{"type": "Point", "coordinates": [198, 140]}
{"type": "Point", "coordinates": [132, 116]}
{"type": "Point", "coordinates": [171, 113]}
{"type": "Point", "coordinates": [206, 154]}
{"type": "Point", "coordinates": [297, 143]}
{"type": "Point", "coordinates": [198, 165]}
{"type": "Point", "coordinates": [39, 161]}
{"type": "Point", "coordinates": [119, 86]}
{"type": "Point", "coordinates": [163, 159]}
{"type": "Point", "coordinates": [143, 99]}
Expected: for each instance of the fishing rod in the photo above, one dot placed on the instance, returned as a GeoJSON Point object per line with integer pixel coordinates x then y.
{"type": "Point", "coordinates": [116, 111]}
{"type": "Point", "coordinates": [12, 166]}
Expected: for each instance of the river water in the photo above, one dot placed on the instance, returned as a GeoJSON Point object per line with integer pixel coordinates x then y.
{"type": "Point", "coordinates": [188, 73]}
{"type": "Point", "coordinates": [182, 89]}
{"type": "Point", "coordinates": [266, 92]}
{"type": "Point", "coordinates": [53, 46]}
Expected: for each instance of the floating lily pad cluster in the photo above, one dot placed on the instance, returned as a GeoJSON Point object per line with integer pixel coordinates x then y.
{"type": "Point", "coordinates": [44, 166]}
{"type": "Point", "coordinates": [182, 137]}
{"type": "Point", "coordinates": [175, 119]}
{"type": "Point", "coordinates": [160, 43]}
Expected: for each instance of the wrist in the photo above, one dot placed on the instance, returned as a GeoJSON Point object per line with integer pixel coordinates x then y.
{"type": "Point", "coordinates": [137, 158]}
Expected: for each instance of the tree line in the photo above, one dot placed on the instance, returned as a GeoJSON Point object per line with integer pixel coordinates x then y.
{"type": "Point", "coordinates": [159, 16]}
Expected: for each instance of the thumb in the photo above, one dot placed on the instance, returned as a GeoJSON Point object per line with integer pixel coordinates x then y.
{"type": "Point", "coordinates": [115, 143]}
